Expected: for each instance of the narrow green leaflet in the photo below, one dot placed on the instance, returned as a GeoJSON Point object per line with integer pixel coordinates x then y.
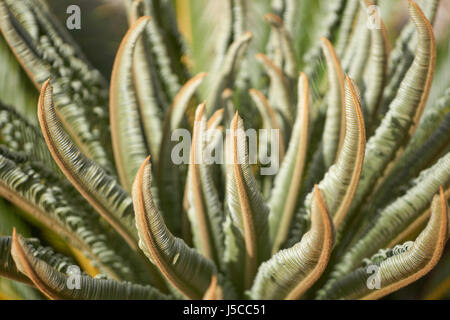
{"type": "Point", "coordinates": [149, 93]}
{"type": "Point", "coordinates": [334, 129]}
{"type": "Point", "coordinates": [269, 119]}
{"type": "Point", "coordinates": [226, 74]}
{"type": "Point", "coordinates": [247, 226]}
{"type": "Point", "coordinates": [430, 141]}
{"type": "Point", "coordinates": [375, 72]}
{"type": "Point", "coordinates": [167, 45]}
{"type": "Point", "coordinates": [205, 208]}
{"type": "Point", "coordinates": [346, 25]}
{"type": "Point", "coordinates": [329, 22]}
{"type": "Point", "coordinates": [356, 55]}
{"type": "Point", "coordinates": [128, 138]}
{"type": "Point", "coordinates": [287, 183]}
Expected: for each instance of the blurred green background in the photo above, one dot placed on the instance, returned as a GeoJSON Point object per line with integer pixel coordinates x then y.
{"type": "Point", "coordinates": [104, 22]}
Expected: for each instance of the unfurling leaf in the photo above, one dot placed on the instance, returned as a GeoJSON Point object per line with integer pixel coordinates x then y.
{"type": "Point", "coordinates": [205, 208]}
{"type": "Point", "coordinates": [183, 267]}
{"type": "Point", "coordinates": [290, 272]}
{"type": "Point", "coordinates": [334, 130]}
{"type": "Point", "coordinates": [126, 131]}
{"type": "Point", "coordinates": [340, 182]}
{"type": "Point", "coordinates": [168, 174]}
{"type": "Point", "coordinates": [398, 267]}
{"type": "Point", "coordinates": [285, 193]}
{"type": "Point", "coordinates": [247, 213]}
{"type": "Point", "coordinates": [404, 111]}
{"type": "Point", "coordinates": [101, 190]}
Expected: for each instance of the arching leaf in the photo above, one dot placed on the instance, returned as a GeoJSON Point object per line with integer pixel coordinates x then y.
{"type": "Point", "coordinates": [183, 267]}
{"type": "Point", "coordinates": [128, 138]}
{"type": "Point", "coordinates": [396, 217]}
{"type": "Point", "coordinates": [285, 193]}
{"type": "Point", "coordinates": [50, 201]}
{"type": "Point", "coordinates": [169, 176]}
{"type": "Point", "coordinates": [100, 189]}
{"type": "Point", "coordinates": [402, 55]}
{"type": "Point", "coordinates": [334, 128]}
{"type": "Point", "coordinates": [8, 268]}
{"type": "Point", "coordinates": [340, 182]}
{"type": "Point", "coordinates": [279, 96]}
{"type": "Point", "coordinates": [205, 207]}
{"type": "Point", "coordinates": [398, 267]}
{"type": "Point", "coordinates": [58, 261]}
{"type": "Point", "coordinates": [386, 144]}
{"type": "Point", "coordinates": [247, 235]}
{"type": "Point", "coordinates": [150, 98]}
{"type": "Point", "coordinates": [290, 272]}
{"type": "Point", "coordinates": [417, 225]}
{"type": "Point", "coordinates": [54, 284]}
{"type": "Point", "coordinates": [375, 73]}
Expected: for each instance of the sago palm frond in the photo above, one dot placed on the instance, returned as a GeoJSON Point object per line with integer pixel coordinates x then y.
{"type": "Point", "coordinates": [299, 166]}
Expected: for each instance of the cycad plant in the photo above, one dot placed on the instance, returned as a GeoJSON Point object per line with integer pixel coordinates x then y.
{"type": "Point", "coordinates": [357, 208]}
